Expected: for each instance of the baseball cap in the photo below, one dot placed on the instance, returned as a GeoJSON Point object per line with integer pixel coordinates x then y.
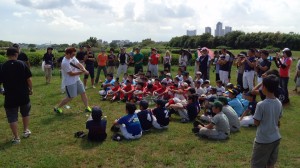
{"type": "Point", "coordinates": [286, 49]}
{"type": "Point", "coordinates": [203, 49]}
{"type": "Point", "coordinates": [49, 48]}
{"type": "Point", "coordinates": [223, 99]}
{"type": "Point", "coordinates": [160, 102]}
{"type": "Point", "coordinates": [218, 104]}
{"type": "Point", "coordinates": [198, 73]}
{"type": "Point", "coordinates": [96, 113]}
{"type": "Point", "coordinates": [233, 91]}
{"type": "Point", "coordinates": [168, 74]}
{"type": "Point", "coordinates": [16, 45]}
{"type": "Point", "coordinates": [153, 49]}
{"type": "Point", "coordinates": [144, 104]}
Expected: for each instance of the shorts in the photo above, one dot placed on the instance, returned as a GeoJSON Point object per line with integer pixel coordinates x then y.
{"type": "Point", "coordinates": [91, 70]}
{"type": "Point", "coordinates": [265, 154]}
{"type": "Point", "coordinates": [12, 113]}
{"type": "Point", "coordinates": [75, 89]}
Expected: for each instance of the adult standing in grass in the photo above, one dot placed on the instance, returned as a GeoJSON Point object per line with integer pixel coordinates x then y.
{"type": "Point", "coordinates": [263, 65]}
{"type": "Point", "coordinates": [49, 59]}
{"type": "Point", "coordinates": [167, 61]}
{"type": "Point", "coordinates": [89, 66]}
{"type": "Point", "coordinates": [16, 78]}
{"type": "Point", "coordinates": [138, 59]}
{"type": "Point", "coordinates": [183, 59]}
{"type": "Point", "coordinates": [153, 62]}
{"type": "Point", "coordinates": [266, 118]}
{"type": "Point", "coordinates": [224, 66]}
{"type": "Point", "coordinates": [101, 60]}
{"type": "Point", "coordinates": [111, 62]}
{"type": "Point", "coordinates": [71, 80]}
{"type": "Point", "coordinates": [248, 75]}
{"type": "Point", "coordinates": [123, 62]}
{"type": "Point", "coordinates": [284, 65]}
{"type": "Point", "coordinates": [204, 64]}
{"type": "Point", "coordinates": [80, 55]}
{"type": "Point", "coordinates": [22, 56]}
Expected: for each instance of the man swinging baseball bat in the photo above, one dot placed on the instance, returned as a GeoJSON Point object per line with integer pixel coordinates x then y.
{"type": "Point", "coordinates": [71, 71]}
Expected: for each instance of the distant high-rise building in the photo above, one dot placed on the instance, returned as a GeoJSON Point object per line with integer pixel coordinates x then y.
{"type": "Point", "coordinates": [228, 29]}
{"type": "Point", "coordinates": [191, 32]}
{"type": "Point", "coordinates": [218, 31]}
{"type": "Point", "coordinates": [208, 30]}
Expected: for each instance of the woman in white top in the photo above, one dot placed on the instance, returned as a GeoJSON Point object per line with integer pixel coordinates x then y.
{"type": "Point", "coordinates": [183, 59]}
{"type": "Point", "coordinates": [167, 60]}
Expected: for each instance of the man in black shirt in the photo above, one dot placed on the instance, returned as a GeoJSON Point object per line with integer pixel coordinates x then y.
{"type": "Point", "coordinates": [80, 55]}
{"type": "Point", "coordinates": [263, 65]}
{"type": "Point", "coordinates": [22, 56]}
{"type": "Point", "coordinates": [16, 79]}
{"type": "Point", "coordinates": [89, 66]}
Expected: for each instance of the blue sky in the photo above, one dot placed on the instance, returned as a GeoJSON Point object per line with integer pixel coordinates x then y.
{"type": "Point", "coordinates": [73, 21]}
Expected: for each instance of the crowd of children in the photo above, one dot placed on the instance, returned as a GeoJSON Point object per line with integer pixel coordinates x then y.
{"type": "Point", "coordinates": [225, 109]}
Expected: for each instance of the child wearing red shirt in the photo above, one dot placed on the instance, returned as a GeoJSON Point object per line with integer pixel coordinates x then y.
{"type": "Point", "coordinates": [126, 91]}
{"type": "Point", "coordinates": [114, 92]}
{"type": "Point", "coordinates": [163, 91]}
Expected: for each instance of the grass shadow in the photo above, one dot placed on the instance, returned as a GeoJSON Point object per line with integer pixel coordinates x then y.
{"type": "Point", "coordinates": [5, 145]}
{"type": "Point", "coordinates": [58, 117]}
{"type": "Point", "coordinates": [85, 144]}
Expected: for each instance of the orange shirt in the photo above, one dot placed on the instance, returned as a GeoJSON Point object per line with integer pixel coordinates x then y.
{"type": "Point", "coordinates": [102, 59]}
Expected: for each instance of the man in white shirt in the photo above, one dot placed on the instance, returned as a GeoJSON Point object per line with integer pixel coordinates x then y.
{"type": "Point", "coordinates": [71, 71]}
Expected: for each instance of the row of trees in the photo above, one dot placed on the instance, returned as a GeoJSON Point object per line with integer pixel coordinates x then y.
{"type": "Point", "coordinates": [239, 40]}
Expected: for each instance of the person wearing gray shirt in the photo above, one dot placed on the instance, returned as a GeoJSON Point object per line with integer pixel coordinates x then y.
{"type": "Point", "coordinates": [266, 118]}
{"type": "Point", "coordinates": [230, 113]}
{"type": "Point", "coordinates": [219, 128]}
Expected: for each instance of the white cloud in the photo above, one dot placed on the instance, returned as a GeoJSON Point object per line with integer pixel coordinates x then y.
{"type": "Point", "coordinates": [57, 17]}
{"type": "Point", "coordinates": [21, 14]}
{"type": "Point", "coordinates": [136, 20]}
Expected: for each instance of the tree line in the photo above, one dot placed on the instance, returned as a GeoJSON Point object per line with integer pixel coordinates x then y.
{"type": "Point", "coordinates": [240, 40]}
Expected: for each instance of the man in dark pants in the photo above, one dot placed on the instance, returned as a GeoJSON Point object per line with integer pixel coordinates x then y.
{"type": "Point", "coordinates": [16, 78]}
{"type": "Point", "coordinates": [138, 61]}
{"type": "Point", "coordinates": [89, 66]}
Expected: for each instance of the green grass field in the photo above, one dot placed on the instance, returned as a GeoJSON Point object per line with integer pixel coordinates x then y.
{"type": "Point", "coordinates": [52, 143]}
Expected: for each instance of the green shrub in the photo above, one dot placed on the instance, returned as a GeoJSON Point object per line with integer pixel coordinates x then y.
{"type": "Point", "coordinates": [2, 59]}
{"type": "Point", "coordinates": [221, 47]}
{"type": "Point", "coordinates": [2, 52]}
{"type": "Point", "coordinates": [32, 50]}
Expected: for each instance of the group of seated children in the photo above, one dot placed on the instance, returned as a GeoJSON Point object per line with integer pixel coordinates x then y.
{"type": "Point", "coordinates": [185, 96]}
{"type": "Point", "coordinates": [132, 125]}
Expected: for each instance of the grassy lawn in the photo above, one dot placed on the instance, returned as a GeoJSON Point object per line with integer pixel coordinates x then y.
{"type": "Point", "coordinates": [52, 143]}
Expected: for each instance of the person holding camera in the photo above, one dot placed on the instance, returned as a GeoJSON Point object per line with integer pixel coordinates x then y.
{"type": "Point", "coordinates": [248, 76]}
{"type": "Point", "coordinates": [263, 65]}
{"type": "Point", "coordinates": [284, 63]}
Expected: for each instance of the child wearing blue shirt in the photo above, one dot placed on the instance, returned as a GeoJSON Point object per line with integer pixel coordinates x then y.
{"type": "Point", "coordinates": [145, 116]}
{"type": "Point", "coordinates": [160, 116]}
{"type": "Point", "coordinates": [129, 124]}
{"type": "Point", "coordinates": [234, 102]}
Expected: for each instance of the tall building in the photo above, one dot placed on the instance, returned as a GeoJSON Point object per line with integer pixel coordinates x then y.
{"type": "Point", "coordinates": [219, 29]}
{"type": "Point", "coordinates": [208, 30]}
{"type": "Point", "coordinates": [191, 32]}
{"type": "Point", "coordinates": [228, 29]}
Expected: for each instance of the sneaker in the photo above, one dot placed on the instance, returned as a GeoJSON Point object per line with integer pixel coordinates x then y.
{"type": "Point", "coordinates": [117, 137]}
{"type": "Point", "coordinates": [183, 120]}
{"type": "Point", "coordinates": [26, 133]}
{"type": "Point", "coordinates": [16, 141]}
{"type": "Point", "coordinates": [94, 87]}
{"type": "Point", "coordinates": [88, 109]}
{"type": "Point", "coordinates": [85, 87]}
{"type": "Point", "coordinates": [58, 110]}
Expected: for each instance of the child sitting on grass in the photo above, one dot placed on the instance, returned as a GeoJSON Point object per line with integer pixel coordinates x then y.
{"type": "Point", "coordinates": [246, 119]}
{"type": "Point", "coordinates": [96, 125]}
{"type": "Point", "coordinates": [219, 128]}
{"type": "Point", "coordinates": [160, 116]}
{"type": "Point", "coordinates": [145, 116]}
{"type": "Point", "coordinates": [129, 124]}
{"type": "Point", "coordinates": [114, 92]}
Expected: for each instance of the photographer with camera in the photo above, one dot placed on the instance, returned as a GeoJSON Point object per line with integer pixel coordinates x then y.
{"type": "Point", "coordinates": [284, 63]}
{"type": "Point", "coordinates": [248, 76]}
{"type": "Point", "coordinates": [263, 65]}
